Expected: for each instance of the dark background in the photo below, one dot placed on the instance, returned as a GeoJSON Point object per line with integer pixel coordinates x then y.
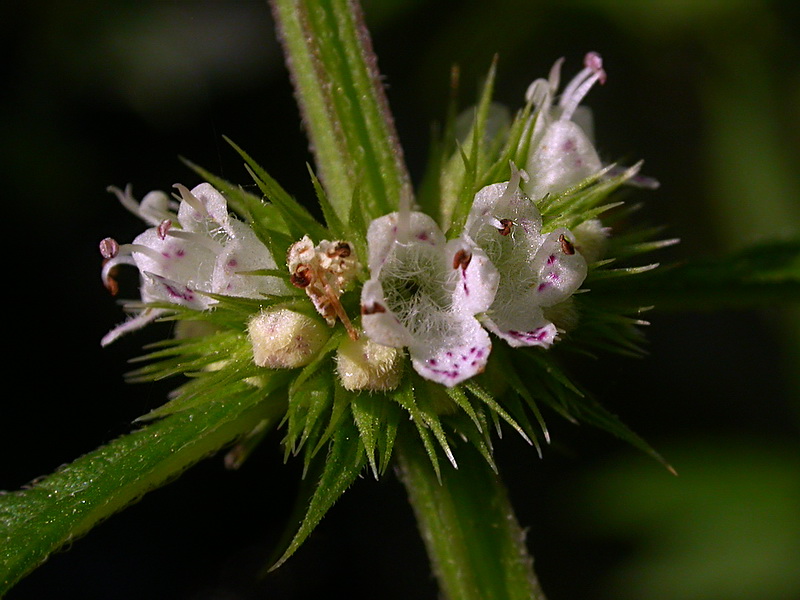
{"type": "Point", "coordinates": [100, 93]}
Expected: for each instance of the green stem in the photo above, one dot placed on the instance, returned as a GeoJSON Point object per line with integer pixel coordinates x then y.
{"type": "Point", "coordinates": [475, 544]}
{"type": "Point", "coordinates": [65, 505]}
{"type": "Point", "coordinates": [342, 102]}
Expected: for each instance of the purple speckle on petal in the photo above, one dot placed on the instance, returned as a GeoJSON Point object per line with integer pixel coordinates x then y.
{"type": "Point", "coordinates": [448, 354]}
{"type": "Point", "coordinates": [422, 236]}
{"type": "Point", "coordinates": [433, 361]}
{"type": "Point", "coordinates": [180, 253]}
{"type": "Point", "coordinates": [551, 259]}
{"type": "Point", "coordinates": [232, 262]}
{"type": "Point", "coordinates": [542, 286]}
{"type": "Point", "coordinates": [553, 276]}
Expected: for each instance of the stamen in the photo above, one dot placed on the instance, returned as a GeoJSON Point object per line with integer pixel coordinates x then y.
{"type": "Point", "coordinates": [125, 198]}
{"type": "Point", "coordinates": [196, 238]}
{"type": "Point", "coordinates": [505, 226]}
{"type": "Point", "coordinates": [580, 85]}
{"type": "Point", "coordinates": [190, 199]}
{"type": "Point", "coordinates": [302, 277]}
{"type": "Point", "coordinates": [462, 259]}
{"type": "Point", "coordinates": [141, 249]}
{"type": "Point", "coordinates": [163, 228]}
{"type": "Point", "coordinates": [512, 187]}
{"type": "Point", "coordinates": [374, 308]}
{"type": "Point", "coordinates": [109, 247]}
{"type": "Point", "coordinates": [567, 247]}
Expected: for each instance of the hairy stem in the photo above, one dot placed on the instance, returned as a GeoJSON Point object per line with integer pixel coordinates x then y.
{"type": "Point", "coordinates": [475, 544]}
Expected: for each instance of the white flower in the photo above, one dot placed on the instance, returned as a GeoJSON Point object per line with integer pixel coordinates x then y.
{"type": "Point", "coordinates": [194, 247]}
{"type": "Point", "coordinates": [424, 293]}
{"type": "Point", "coordinates": [562, 153]}
{"type": "Point", "coordinates": [536, 270]}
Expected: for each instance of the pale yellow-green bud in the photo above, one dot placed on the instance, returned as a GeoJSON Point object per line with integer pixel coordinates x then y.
{"type": "Point", "coordinates": [284, 339]}
{"type": "Point", "coordinates": [367, 365]}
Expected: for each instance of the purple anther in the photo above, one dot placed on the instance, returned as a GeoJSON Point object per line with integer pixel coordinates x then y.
{"type": "Point", "coordinates": [109, 247]}
{"type": "Point", "coordinates": [163, 228]}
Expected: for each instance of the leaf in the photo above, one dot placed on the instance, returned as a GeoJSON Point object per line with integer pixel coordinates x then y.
{"type": "Point", "coordinates": [765, 274]}
{"type": "Point", "coordinates": [342, 466]}
{"type": "Point", "coordinates": [298, 220]}
{"type": "Point", "coordinates": [65, 505]}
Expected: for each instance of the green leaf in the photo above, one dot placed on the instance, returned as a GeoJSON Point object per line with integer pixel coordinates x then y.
{"type": "Point", "coordinates": [67, 504]}
{"type": "Point", "coordinates": [308, 402]}
{"type": "Point", "coordinates": [298, 220]}
{"type": "Point", "coordinates": [342, 102]}
{"type": "Point", "coordinates": [367, 415]}
{"type": "Point", "coordinates": [342, 466]}
{"type": "Point", "coordinates": [762, 275]}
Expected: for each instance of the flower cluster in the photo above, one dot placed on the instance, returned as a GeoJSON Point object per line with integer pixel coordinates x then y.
{"type": "Point", "coordinates": [498, 257]}
{"type": "Point", "coordinates": [319, 334]}
{"type": "Point", "coordinates": [440, 298]}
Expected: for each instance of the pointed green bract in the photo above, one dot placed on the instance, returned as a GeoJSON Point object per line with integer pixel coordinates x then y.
{"type": "Point", "coordinates": [342, 466]}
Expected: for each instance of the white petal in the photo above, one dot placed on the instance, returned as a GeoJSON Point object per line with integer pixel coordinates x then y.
{"type": "Point", "coordinates": [244, 252]}
{"type": "Point", "coordinates": [210, 216]}
{"type": "Point", "coordinates": [388, 230]}
{"type": "Point", "coordinates": [145, 317]}
{"type": "Point", "coordinates": [156, 288]}
{"type": "Point", "coordinates": [464, 354]}
{"type": "Point", "coordinates": [379, 323]}
{"type": "Point", "coordinates": [179, 260]}
{"type": "Point", "coordinates": [564, 157]}
{"type": "Point", "coordinates": [477, 277]}
{"type": "Point", "coordinates": [560, 268]}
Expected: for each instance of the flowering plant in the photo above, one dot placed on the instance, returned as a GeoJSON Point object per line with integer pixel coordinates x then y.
{"type": "Point", "coordinates": [405, 328]}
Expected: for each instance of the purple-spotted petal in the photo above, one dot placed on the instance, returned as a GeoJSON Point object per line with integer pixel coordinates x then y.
{"type": "Point", "coordinates": [560, 268]}
{"type": "Point", "coordinates": [564, 157]}
{"type": "Point", "coordinates": [388, 230]}
{"type": "Point", "coordinates": [158, 288]}
{"type": "Point", "coordinates": [530, 329]}
{"type": "Point", "coordinates": [456, 362]}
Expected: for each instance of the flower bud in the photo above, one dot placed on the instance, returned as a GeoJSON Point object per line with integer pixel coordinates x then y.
{"type": "Point", "coordinates": [284, 339]}
{"type": "Point", "coordinates": [367, 365]}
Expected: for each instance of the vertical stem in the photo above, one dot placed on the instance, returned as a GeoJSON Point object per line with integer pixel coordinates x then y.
{"type": "Point", "coordinates": [475, 544]}
{"type": "Point", "coordinates": [342, 101]}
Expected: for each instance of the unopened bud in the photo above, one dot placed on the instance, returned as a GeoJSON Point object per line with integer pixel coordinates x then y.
{"type": "Point", "coordinates": [284, 339]}
{"type": "Point", "coordinates": [366, 365]}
